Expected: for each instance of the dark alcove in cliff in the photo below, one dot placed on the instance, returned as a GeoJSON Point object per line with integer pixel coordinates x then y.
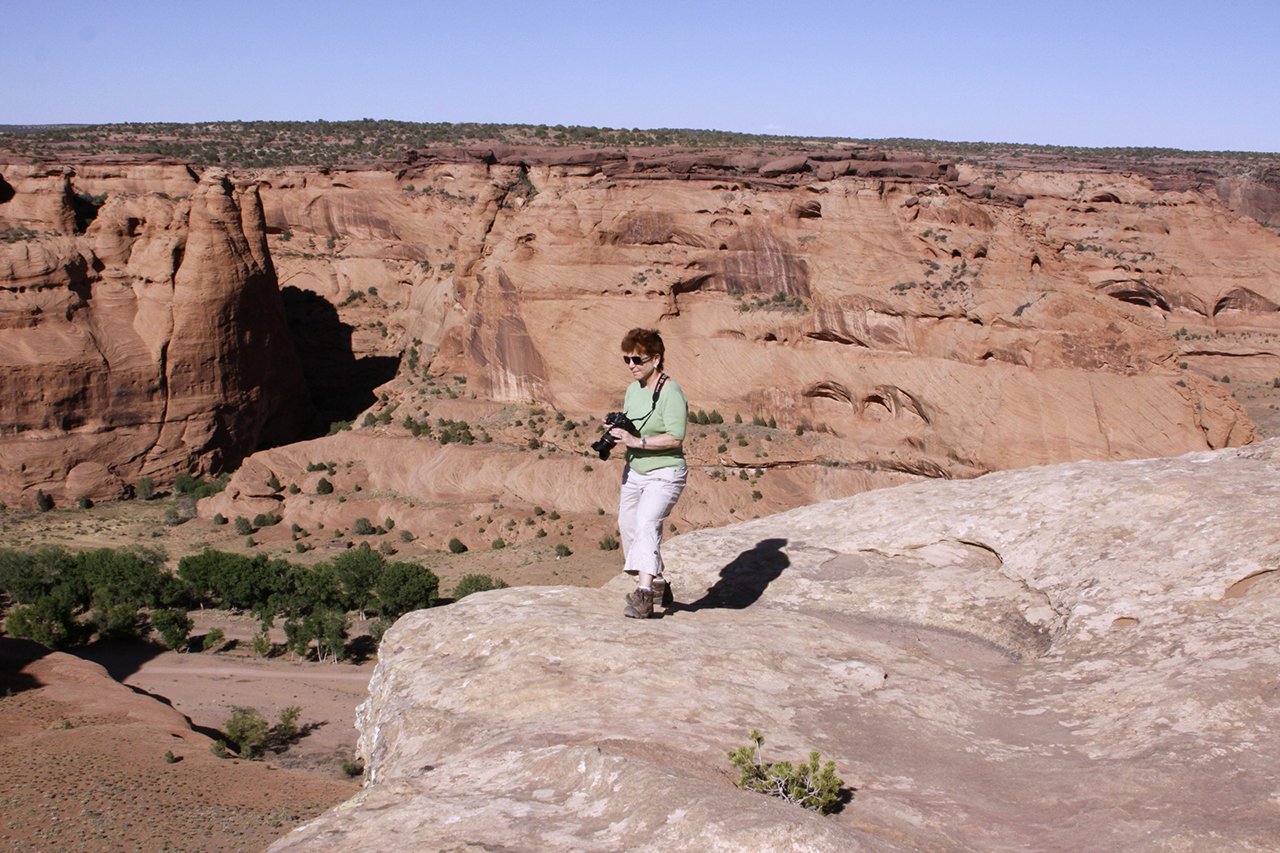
{"type": "Point", "coordinates": [341, 385]}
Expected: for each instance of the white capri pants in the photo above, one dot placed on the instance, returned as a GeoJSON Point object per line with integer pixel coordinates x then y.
{"type": "Point", "coordinates": [643, 506]}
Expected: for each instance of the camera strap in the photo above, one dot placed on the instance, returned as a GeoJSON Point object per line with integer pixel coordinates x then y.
{"type": "Point", "coordinates": [657, 389]}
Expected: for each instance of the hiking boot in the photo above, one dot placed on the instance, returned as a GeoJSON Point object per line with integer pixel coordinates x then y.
{"type": "Point", "coordinates": [641, 605]}
{"type": "Point", "coordinates": [661, 592]}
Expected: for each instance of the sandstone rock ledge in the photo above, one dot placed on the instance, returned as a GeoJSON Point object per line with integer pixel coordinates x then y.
{"type": "Point", "coordinates": [1080, 656]}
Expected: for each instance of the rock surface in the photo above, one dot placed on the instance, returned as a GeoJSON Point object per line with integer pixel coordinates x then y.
{"type": "Point", "coordinates": [1079, 656]}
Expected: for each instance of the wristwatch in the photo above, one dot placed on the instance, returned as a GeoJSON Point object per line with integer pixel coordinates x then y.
{"type": "Point", "coordinates": [644, 443]}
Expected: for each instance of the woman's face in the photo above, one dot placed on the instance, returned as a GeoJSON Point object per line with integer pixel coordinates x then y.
{"type": "Point", "coordinates": [642, 366]}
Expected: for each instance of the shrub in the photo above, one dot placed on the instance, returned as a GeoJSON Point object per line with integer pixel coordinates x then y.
{"type": "Point", "coordinates": [145, 489]}
{"type": "Point", "coordinates": [247, 729]}
{"type": "Point", "coordinates": [266, 519]}
{"type": "Point", "coordinates": [44, 503]}
{"type": "Point", "coordinates": [324, 487]}
{"type": "Point", "coordinates": [608, 543]}
{"type": "Point", "coordinates": [362, 527]}
{"type": "Point", "coordinates": [212, 640]}
{"type": "Point", "coordinates": [85, 502]}
{"type": "Point", "coordinates": [498, 544]}
{"type": "Point", "coordinates": [173, 626]}
{"type": "Point", "coordinates": [170, 758]}
{"type": "Point", "coordinates": [197, 487]}
{"type": "Point", "coordinates": [810, 784]}
{"type": "Point", "coordinates": [456, 546]}
{"type": "Point", "coordinates": [262, 645]}
{"type": "Point", "coordinates": [562, 550]}
{"type": "Point", "coordinates": [219, 519]}
{"type": "Point", "coordinates": [476, 583]}
{"type": "Point", "coordinates": [286, 728]}
{"type": "Point", "coordinates": [243, 527]}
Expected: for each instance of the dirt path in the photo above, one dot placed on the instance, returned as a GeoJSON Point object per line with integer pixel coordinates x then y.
{"type": "Point", "coordinates": [205, 688]}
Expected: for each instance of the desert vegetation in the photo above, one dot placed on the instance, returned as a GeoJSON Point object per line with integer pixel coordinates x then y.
{"type": "Point", "coordinates": [63, 599]}
{"type": "Point", "coordinates": [270, 144]}
{"type": "Point", "coordinates": [809, 784]}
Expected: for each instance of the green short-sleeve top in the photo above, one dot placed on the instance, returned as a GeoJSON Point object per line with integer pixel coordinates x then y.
{"type": "Point", "coordinates": [669, 416]}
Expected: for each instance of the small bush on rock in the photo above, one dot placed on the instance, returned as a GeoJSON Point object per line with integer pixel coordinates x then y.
{"type": "Point", "coordinates": [810, 784]}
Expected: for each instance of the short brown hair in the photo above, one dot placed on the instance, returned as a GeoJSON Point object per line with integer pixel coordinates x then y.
{"type": "Point", "coordinates": [647, 341]}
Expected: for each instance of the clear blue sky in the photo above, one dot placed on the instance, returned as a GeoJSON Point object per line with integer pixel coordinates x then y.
{"type": "Point", "coordinates": [1180, 74]}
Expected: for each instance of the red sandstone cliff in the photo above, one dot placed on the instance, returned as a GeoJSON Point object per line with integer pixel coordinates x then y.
{"type": "Point", "coordinates": [912, 317]}
{"type": "Point", "coordinates": [141, 330]}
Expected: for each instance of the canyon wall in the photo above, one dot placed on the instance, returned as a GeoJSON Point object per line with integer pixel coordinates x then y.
{"type": "Point", "coordinates": [890, 317]}
{"type": "Point", "coordinates": [141, 330]}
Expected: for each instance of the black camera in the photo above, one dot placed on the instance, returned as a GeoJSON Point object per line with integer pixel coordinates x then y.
{"type": "Point", "coordinates": [607, 441]}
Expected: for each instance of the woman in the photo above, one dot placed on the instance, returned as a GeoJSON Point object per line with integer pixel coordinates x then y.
{"type": "Point", "coordinates": [655, 471]}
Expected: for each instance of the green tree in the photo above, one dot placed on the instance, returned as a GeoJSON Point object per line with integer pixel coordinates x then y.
{"type": "Point", "coordinates": [358, 572]}
{"type": "Point", "coordinates": [28, 575]}
{"type": "Point", "coordinates": [173, 626]}
{"type": "Point", "coordinates": [404, 587]}
{"type": "Point", "coordinates": [325, 626]}
{"type": "Point", "coordinates": [50, 621]}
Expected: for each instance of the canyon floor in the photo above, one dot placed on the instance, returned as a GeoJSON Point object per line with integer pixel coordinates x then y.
{"type": "Point", "coordinates": [79, 779]}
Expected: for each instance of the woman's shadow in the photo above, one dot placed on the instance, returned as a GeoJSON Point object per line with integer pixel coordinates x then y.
{"type": "Point", "coordinates": [744, 580]}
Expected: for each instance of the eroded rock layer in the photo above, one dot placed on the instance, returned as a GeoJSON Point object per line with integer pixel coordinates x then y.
{"type": "Point", "coordinates": [141, 331]}
{"type": "Point", "coordinates": [929, 319]}
{"type": "Point", "coordinates": [1079, 656]}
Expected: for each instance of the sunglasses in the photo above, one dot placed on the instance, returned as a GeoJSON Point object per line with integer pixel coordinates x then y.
{"type": "Point", "coordinates": [636, 359]}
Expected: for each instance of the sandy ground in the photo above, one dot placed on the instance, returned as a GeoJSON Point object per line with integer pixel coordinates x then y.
{"type": "Point", "coordinates": [91, 765]}
{"type": "Point", "coordinates": [81, 773]}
